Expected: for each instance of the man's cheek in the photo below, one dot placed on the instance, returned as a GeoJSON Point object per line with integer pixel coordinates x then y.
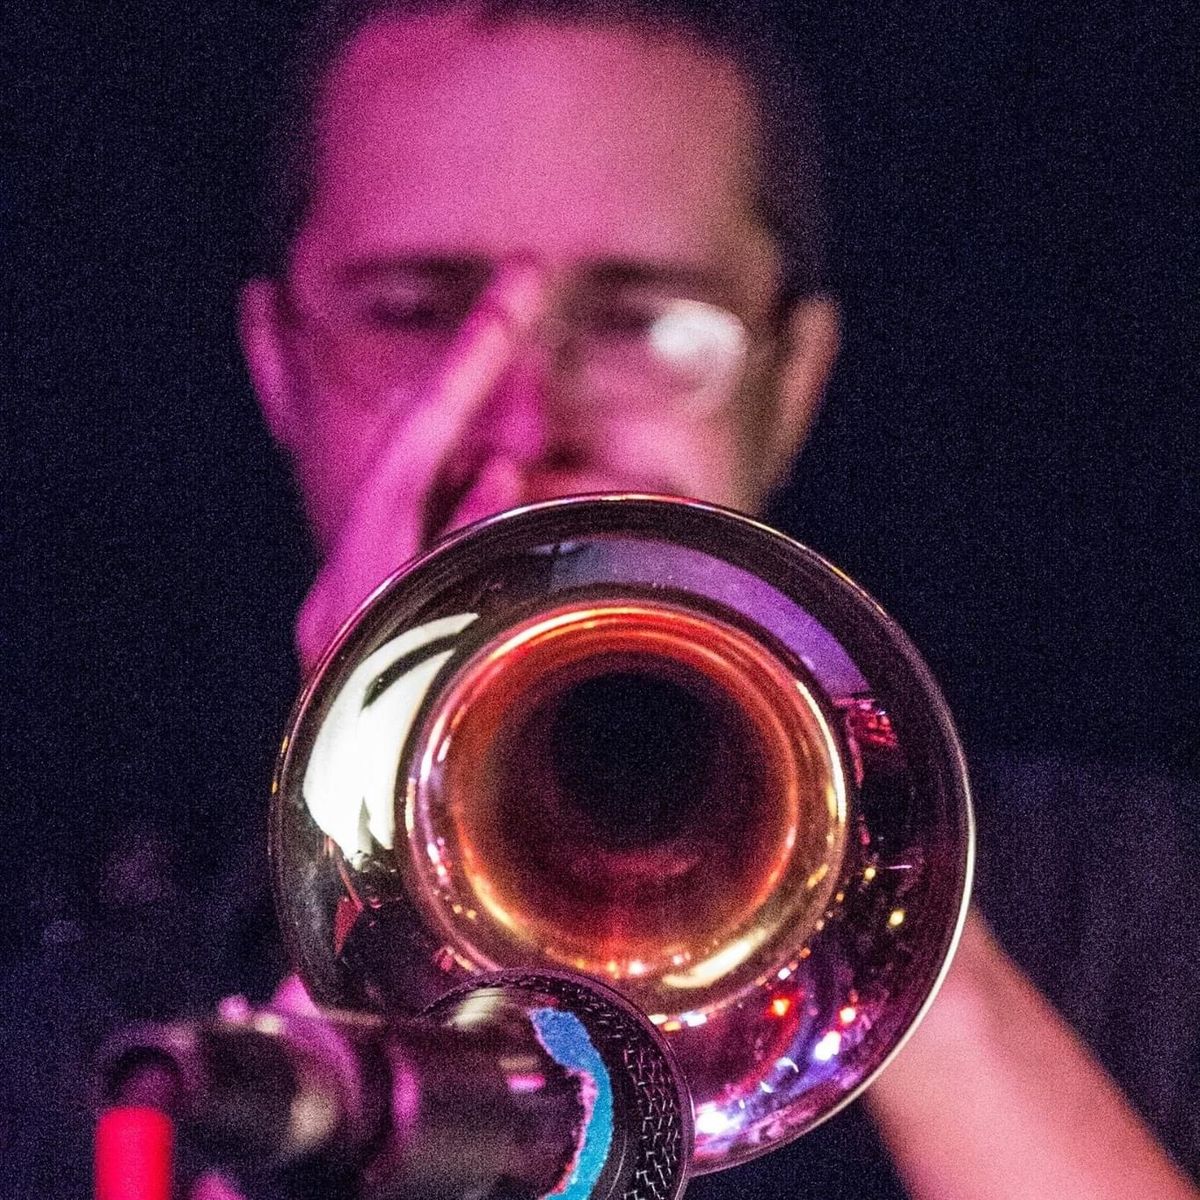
{"type": "Point", "coordinates": [337, 455]}
{"type": "Point", "coordinates": [685, 459]}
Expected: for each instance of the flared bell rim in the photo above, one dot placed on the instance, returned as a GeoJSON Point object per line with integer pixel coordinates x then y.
{"type": "Point", "coordinates": [631, 511]}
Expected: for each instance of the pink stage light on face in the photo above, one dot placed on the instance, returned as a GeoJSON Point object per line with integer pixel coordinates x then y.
{"type": "Point", "coordinates": [437, 172]}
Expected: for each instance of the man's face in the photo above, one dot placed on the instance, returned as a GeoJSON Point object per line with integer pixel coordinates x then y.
{"type": "Point", "coordinates": [614, 170]}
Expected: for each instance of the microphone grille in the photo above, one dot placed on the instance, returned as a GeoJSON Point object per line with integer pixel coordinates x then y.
{"type": "Point", "coordinates": [652, 1108]}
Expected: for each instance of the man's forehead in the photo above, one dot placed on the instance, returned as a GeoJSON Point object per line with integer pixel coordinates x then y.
{"type": "Point", "coordinates": [437, 133]}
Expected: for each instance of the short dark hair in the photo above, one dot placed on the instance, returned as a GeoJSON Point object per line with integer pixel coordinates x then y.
{"type": "Point", "coordinates": [790, 188]}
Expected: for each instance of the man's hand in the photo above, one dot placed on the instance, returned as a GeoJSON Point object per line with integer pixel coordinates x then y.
{"type": "Point", "coordinates": [388, 521]}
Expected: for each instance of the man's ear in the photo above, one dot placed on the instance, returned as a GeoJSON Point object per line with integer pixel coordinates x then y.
{"type": "Point", "coordinates": [813, 337]}
{"type": "Point", "coordinates": [261, 331]}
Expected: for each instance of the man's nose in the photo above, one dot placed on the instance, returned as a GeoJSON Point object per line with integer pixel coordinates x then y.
{"type": "Point", "coordinates": [520, 416]}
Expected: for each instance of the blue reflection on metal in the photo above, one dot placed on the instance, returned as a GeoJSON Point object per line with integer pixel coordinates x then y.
{"type": "Point", "coordinates": [566, 1041]}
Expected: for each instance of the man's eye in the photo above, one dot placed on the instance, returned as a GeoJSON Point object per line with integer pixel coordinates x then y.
{"type": "Point", "coordinates": [405, 314]}
{"type": "Point", "coordinates": [623, 321]}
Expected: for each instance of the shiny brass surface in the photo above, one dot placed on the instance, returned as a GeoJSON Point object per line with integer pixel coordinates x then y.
{"type": "Point", "coordinates": [654, 742]}
{"type": "Point", "coordinates": [729, 879]}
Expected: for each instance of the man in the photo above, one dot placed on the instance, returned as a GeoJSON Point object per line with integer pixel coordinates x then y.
{"type": "Point", "coordinates": [556, 197]}
{"type": "Point", "coordinates": [487, 203]}
{"type": "Point", "coordinates": [490, 198]}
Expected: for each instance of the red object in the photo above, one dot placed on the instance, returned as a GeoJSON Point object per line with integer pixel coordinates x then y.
{"type": "Point", "coordinates": [781, 1006]}
{"type": "Point", "coordinates": [133, 1154]}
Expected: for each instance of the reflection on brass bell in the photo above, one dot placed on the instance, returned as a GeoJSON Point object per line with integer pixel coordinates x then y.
{"type": "Point", "coordinates": [649, 741]}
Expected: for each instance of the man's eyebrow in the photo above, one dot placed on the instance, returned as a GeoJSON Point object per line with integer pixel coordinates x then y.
{"type": "Point", "coordinates": [614, 274]}
{"type": "Point", "coordinates": [600, 274]}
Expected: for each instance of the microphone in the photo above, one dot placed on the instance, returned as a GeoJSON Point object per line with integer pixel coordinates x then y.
{"type": "Point", "coordinates": [520, 1085]}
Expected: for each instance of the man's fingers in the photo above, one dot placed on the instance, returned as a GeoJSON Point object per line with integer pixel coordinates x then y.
{"type": "Point", "coordinates": [483, 350]}
{"type": "Point", "coordinates": [385, 523]}
{"type": "Point", "coordinates": [422, 435]}
{"type": "Point", "coordinates": [291, 996]}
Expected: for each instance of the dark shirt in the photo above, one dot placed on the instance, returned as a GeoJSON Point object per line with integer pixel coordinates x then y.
{"type": "Point", "coordinates": [1088, 878]}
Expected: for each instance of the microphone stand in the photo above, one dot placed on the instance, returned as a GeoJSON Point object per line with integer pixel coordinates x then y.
{"type": "Point", "coordinates": [520, 1086]}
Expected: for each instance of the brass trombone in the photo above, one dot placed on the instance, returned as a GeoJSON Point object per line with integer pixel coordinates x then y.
{"type": "Point", "coordinates": [650, 741]}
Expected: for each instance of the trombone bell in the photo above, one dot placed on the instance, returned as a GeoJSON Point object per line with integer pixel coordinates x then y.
{"type": "Point", "coordinates": [653, 742]}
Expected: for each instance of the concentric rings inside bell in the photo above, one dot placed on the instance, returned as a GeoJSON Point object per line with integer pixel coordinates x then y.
{"type": "Point", "coordinates": [632, 790]}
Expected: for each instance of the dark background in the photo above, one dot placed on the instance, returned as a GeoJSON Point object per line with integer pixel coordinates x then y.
{"type": "Point", "coordinates": [1007, 457]}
